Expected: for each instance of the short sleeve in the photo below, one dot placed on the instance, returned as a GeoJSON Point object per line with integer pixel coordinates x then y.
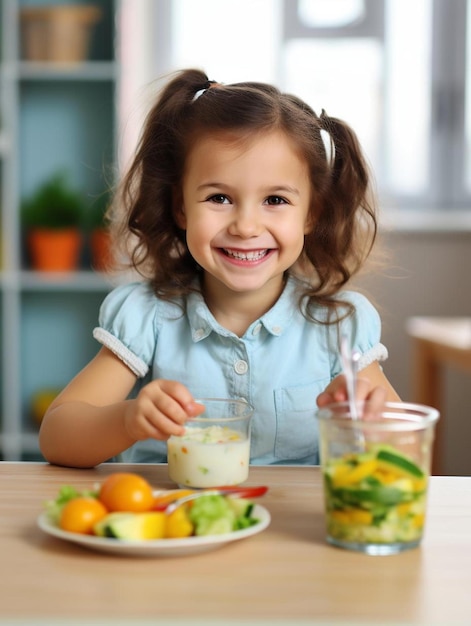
{"type": "Point", "coordinates": [127, 325]}
{"type": "Point", "coordinates": [364, 330]}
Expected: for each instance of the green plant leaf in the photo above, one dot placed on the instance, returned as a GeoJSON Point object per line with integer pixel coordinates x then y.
{"type": "Point", "coordinates": [55, 204]}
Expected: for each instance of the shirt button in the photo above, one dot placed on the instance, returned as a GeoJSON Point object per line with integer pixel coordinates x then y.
{"type": "Point", "coordinates": [257, 329]}
{"type": "Point", "coordinates": [276, 329]}
{"type": "Point", "coordinates": [241, 367]}
{"type": "Point", "coordinates": [198, 334]}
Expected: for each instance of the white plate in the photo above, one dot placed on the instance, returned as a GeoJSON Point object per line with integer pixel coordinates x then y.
{"type": "Point", "coordinates": [157, 547]}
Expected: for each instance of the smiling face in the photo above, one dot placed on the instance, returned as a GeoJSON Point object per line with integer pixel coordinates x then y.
{"type": "Point", "coordinates": [245, 212]}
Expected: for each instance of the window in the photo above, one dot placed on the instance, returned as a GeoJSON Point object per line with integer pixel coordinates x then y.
{"type": "Point", "coordinates": [399, 71]}
{"type": "Point", "coordinates": [372, 67]}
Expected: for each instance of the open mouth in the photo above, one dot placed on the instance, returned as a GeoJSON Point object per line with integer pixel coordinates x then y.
{"type": "Point", "coordinates": [249, 255]}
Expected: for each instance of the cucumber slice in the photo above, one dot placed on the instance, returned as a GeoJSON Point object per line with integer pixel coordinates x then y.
{"type": "Point", "coordinates": [388, 496]}
{"type": "Point", "coordinates": [245, 522]}
{"type": "Point", "coordinates": [392, 459]}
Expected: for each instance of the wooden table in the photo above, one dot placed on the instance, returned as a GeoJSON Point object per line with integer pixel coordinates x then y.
{"type": "Point", "coordinates": [285, 573]}
{"type": "Point", "coordinates": [437, 342]}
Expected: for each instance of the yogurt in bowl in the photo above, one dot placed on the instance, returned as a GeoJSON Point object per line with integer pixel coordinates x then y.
{"type": "Point", "coordinates": [215, 449]}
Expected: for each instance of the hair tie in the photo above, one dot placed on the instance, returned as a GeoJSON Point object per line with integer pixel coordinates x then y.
{"type": "Point", "coordinates": [201, 91]}
{"type": "Point", "coordinates": [326, 137]}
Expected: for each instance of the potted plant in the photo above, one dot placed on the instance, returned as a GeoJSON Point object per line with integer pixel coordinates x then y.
{"type": "Point", "coordinates": [99, 236]}
{"type": "Point", "coordinates": [53, 218]}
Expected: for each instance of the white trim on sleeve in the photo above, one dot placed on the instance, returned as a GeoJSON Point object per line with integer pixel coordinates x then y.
{"type": "Point", "coordinates": [376, 353]}
{"type": "Point", "coordinates": [134, 363]}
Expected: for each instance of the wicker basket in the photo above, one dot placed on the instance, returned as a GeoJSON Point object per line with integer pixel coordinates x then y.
{"type": "Point", "coordinates": [59, 34]}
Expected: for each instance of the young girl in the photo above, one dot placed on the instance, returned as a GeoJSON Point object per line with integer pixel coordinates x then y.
{"type": "Point", "coordinates": [246, 214]}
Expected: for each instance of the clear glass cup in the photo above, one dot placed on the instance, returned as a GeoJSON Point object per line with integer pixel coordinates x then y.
{"type": "Point", "coordinates": [215, 449]}
{"type": "Point", "coordinates": [376, 472]}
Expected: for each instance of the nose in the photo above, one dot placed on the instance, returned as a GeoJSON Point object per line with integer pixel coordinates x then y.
{"type": "Point", "coordinates": [246, 222]}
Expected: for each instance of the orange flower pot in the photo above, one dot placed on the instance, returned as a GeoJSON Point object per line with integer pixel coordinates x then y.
{"type": "Point", "coordinates": [55, 250]}
{"type": "Point", "coordinates": [100, 245]}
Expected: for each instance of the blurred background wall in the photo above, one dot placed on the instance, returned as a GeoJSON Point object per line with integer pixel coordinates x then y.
{"type": "Point", "coordinates": [398, 71]}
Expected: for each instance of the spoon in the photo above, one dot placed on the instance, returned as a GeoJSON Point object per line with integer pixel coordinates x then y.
{"type": "Point", "coordinates": [239, 492]}
{"type": "Point", "coordinates": [350, 361]}
{"type": "Point", "coordinates": [350, 369]}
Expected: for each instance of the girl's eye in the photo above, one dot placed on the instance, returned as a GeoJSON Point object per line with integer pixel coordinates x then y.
{"type": "Point", "coordinates": [275, 200]}
{"type": "Point", "coordinates": [219, 198]}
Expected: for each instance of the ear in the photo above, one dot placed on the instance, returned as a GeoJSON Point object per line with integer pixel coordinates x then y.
{"type": "Point", "coordinates": [309, 223]}
{"type": "Point", "coordinates": [178, 209]}
{"type": "Point", "coordinates": [180, 217]}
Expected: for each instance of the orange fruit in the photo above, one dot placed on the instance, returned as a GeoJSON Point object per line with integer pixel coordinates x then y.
{"type": "Point", "coordinates": [126, 492]}
{"type": "Point", "coordinates": [81, 514]}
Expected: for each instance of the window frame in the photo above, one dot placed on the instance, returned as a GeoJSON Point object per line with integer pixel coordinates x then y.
{"type": "Point", "coordinates": [446, 188]}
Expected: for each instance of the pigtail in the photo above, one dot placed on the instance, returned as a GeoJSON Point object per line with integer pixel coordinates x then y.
{"type": "Point", "coordinates": [346, 226]}
{"type": "Point", "coordinates": [349, 172]}
{"type": "Point", "coordinates": [151, 241]}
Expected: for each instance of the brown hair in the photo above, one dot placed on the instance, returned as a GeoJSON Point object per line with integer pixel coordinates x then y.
{"type": "Point", "coordinates": [343, 214]}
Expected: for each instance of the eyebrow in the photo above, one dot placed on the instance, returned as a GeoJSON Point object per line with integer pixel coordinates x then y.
{"type": "Point", "coordinates": [207, 185]}
{"type": "Point", "coordinates": [282, 188]}
{"type": "Point", "coordinates": [270, 190]}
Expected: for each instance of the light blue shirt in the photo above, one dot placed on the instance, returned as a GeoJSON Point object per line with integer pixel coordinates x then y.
{"type": "Point", "coordinates": [279, 366]}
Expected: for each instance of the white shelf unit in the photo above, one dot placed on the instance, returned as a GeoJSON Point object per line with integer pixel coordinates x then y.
{"type": "Point", "coordinates": [51, 116]}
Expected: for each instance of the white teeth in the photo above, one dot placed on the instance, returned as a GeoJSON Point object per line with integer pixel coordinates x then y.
{"type": "Point", "coordinates": [254, 255]}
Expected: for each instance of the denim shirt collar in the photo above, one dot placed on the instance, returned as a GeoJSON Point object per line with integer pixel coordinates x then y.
{"type": "Point", "coordinates": [275, 321]}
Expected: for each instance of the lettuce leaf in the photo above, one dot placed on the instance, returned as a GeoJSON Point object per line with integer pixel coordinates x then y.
{"type": "Point", "coordinates": [66, 493]}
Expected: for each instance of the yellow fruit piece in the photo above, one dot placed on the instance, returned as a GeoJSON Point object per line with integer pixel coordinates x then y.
{"type": "Point", "coordinates": [356, 474]}
{"type": "Point", "coordinates": [132, 526]}
{"type": "Point", "coordinates": [352, 516]}
{"type": "Point", "coordinates": [386, 476]}
{"type": "Point", "coordinates": [178, 524]}
{"type": "Point", "coordinates": [419, 520]}
{"type": "Point", "coordinates": [341, 470]}
{"type": "Point", "coordinates": [152, 525]}
{"type": "Point", "coordinates": [340, 516]}
{"type": "Point", "coordinates": [420, 484]}
{"type": "Point", "coordinates": [359, 516]}
{"type": "Point", "coordinates": [404, 508]}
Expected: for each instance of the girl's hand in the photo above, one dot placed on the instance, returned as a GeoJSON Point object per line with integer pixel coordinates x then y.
{"type": "Point", "coordinates": [337, 392]}
{"type": "Point", "coordinates": [372, 386]}
{"type": "Point", "coordinates": [161, 409]}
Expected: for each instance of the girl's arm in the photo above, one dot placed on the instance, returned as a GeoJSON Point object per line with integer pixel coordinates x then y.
{"type": "Point", "coordinates": [91, 421]}
{"type": "Point", "coordinates": [372, 385]}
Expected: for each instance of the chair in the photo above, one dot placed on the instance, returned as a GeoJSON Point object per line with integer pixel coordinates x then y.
{"type": "Point", "coordinates": [437, 342]}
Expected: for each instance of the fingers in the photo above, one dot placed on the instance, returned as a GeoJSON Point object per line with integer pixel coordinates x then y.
{"type": "Point", "coordinates": [336, 391]}
{"type": "Point", "coordinates": [172, 399]}
{"type": "Point", "coordinates": [160, 410]}
{"type": "Point", "coordinates": [375, 402]}
{"type": "Point", "coordinates": [372, 397]}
